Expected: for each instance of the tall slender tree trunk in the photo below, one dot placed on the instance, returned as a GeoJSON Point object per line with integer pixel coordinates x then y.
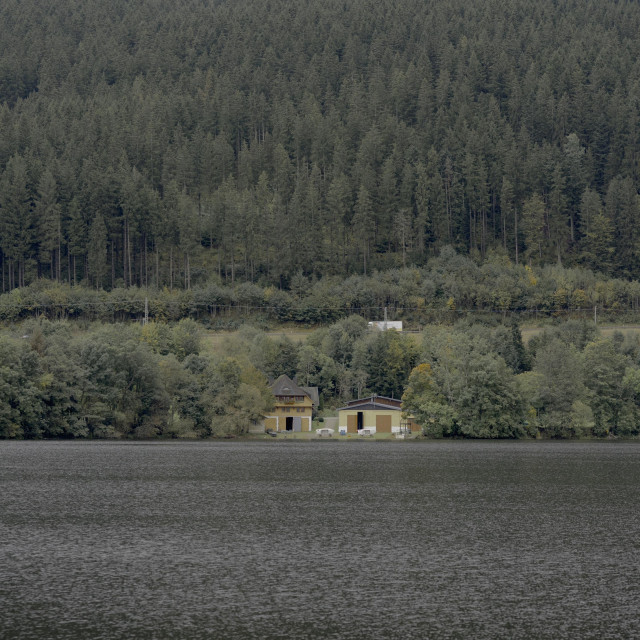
{"type": "Point", "coordinates": [146, 264]}
{"type": "Point", "coordinates": [233, 265]}
{"type": "Point", "coordinates": [483, 248]}
{"type": "Point", "coordinates": [515, 226]}
{"type": "Point", "coordinates": [59, 274]}
{"type": "Point", "coordinates": [129, 254]}
{"type": "Point", "coordinates": [493, 213]}
{"type": "Point", "coordinates": [572, 227]}
{"type": "Point", "coordinates": [447, 201]}
{"type": "Point", "coordinates": [364, 256]}
{"type": "Point", "coordinates": [171, 268]}
{"type": "Point", "coordinates": [125, 253]}
{"type": "Point", "coordinates": [504, 228]}
{"type": "Point", "coordinates": [157, 264]}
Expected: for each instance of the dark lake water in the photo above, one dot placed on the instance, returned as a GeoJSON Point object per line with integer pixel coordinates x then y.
{"type": "Point", "coordinates": [319, 540]}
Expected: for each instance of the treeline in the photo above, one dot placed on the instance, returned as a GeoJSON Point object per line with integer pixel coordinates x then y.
{"type": "Point", "coordinates": [118, 381]}
{"type": "Point", "coordinates": [157, 380]}
{"type": "Point", "coordinates": [481, 382]}
{"type": "Point", "coordinates": [447, 287]}
{"type": "Point", "coordinates": [470, 380]}
{"type": "Point", "coordinates": [150, 143]}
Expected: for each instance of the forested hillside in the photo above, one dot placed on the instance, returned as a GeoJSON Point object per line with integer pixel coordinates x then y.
{"type": "Point", "coordinates": [154, 143]}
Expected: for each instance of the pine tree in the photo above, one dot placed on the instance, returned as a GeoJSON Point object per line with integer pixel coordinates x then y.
{"type": "Point", "coordinates": [533, 223]}
{"type": "Point", "coordinates": [97, 252]}
{"type": "Point", "coordinates": [362, 224]}
{"type": "Point", "coordinates": [16, 219]}
{"type": "Point", "coordinates": [48, 216]}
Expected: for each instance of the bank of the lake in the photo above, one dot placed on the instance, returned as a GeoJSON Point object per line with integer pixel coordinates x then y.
{"type": "Point", "coordinates": [281, 539]}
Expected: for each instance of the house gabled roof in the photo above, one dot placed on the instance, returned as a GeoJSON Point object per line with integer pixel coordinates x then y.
{"type": "Point", "coordinates": [391, 402]}
{"type": "Point", "coordinates": [370, 406]}
{"type": "Point", "coordinates": [373, 403]}
{"type": "Point", "coordinates": [312, 392]}
{"type": "Point", "coordinates": [285, 386]}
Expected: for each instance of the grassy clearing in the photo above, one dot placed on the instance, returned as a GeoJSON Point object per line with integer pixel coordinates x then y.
{"type": "Point", "coordinates": [605, 330]}
{"type": "Point", "coordinates": [214, 339]}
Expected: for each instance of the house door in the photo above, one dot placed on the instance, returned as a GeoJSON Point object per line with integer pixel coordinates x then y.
{"type": "Point", "coordinates": [297, 424]}
{"type": "Point", "coordinates": [360, 420]}
{"type": "Point", "coordinates": [289, 423]}
{"type": "Point", "coordinates": [383, 423]}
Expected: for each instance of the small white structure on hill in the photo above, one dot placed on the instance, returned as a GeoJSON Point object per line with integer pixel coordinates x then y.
{"type": "Point", "coordinates": [386, 325]}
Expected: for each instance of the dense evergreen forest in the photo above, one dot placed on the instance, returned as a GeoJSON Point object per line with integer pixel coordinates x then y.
{"type": "Point", "coordinates": [152, 143]}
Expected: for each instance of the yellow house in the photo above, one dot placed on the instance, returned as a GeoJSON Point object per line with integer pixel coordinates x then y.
{"type": "Point", "coordinates": [293, 406]}
{"type": "Point", "coordinates": [375, 414]}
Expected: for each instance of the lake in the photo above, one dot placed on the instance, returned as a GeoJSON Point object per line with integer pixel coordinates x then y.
{"type": "Point", "coordinates": [238, 540]}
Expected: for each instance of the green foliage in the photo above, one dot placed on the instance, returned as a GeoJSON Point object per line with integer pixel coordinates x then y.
{"type": "Point", "coordinates": [21, 387]}
{"type": "Point", "coordinates": [122, 381]}
{"type": "Point", "coordinates": [448, 287]}
{"type": "Point", "coordinates": [172, 146]}
{"type": "Point", "coordinates": [506, 341]}
{"type": "Point", "coordinates": [605, 369]}
{"type": "Point", "coordinates": [560, 385]}
{"type": "Point", "coordinates": [236, 396]}
{"type": "Point", "coordinates": [125, 380]}
{"type": "Point", "coordinates": [474, 382]}
{"type": "Point", "coordinates": [423, 401]}
{"type": "Point", "coordinates": [388, 358]}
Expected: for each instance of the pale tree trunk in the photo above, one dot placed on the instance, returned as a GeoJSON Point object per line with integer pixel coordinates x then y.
{"type": "Point", "coordinates": [171, 268]}
{"type": "Point", "coordinates": [515, 225]}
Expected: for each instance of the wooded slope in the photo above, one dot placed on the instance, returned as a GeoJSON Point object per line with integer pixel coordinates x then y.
{"type": "Point", "coordinates": [153, 142]}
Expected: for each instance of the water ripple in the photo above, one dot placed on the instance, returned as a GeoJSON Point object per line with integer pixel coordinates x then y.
{"type": "Point", "coordinates": [319, 540]}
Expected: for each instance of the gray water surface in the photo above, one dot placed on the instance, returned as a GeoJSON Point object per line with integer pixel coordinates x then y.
{"type": "Point", "coordinates": [319, 540]}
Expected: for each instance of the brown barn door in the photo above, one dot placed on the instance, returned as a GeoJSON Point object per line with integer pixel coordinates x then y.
{"type": "Point", "coordinates": [383, 424]}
